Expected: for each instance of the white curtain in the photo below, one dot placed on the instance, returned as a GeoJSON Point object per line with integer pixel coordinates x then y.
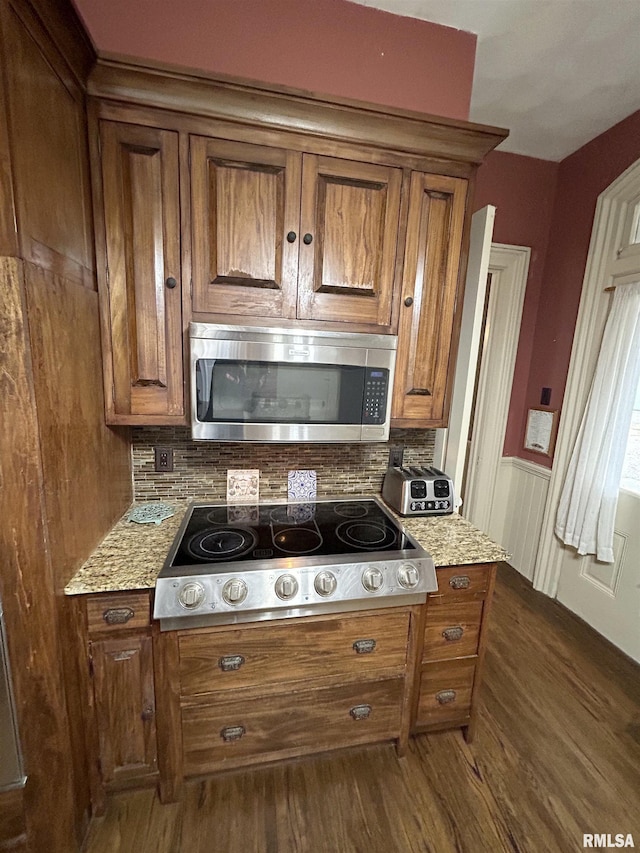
{"type": "Point", "coordinates": [589, 498]}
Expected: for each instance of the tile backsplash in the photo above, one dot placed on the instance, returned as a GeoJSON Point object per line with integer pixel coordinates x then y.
{"type": "Point", "coordinates": [200, 467]}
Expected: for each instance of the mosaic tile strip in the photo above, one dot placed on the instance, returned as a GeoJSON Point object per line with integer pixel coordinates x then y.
{"type": "Point", "coordinates": [200, 467]}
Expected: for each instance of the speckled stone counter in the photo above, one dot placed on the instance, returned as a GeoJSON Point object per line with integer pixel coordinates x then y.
{"type": "Point", "coordinates": [453, 541]}
{"type": "Point", "coordinates": [131, 555]}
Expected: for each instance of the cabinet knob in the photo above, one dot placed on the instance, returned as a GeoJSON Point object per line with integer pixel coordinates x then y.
{"type": "Point", "coordinates": [446, 696]}
{"type": "Point", "coordinates": [453, 634]}
{"type": "Point", "coordinates": [147, 713]}
{"type": "Point", "coordinates": [118, 615]}
{"type": "Point", "coordinates": [230, 663]}
{"type": "Point", "coordinates": [171, 282]}
{"type": "Point", "coordinates": [307, 239]}
{"type": "Point", "coordinates": [231, 733]}
{"type": "Point", "coordinates": [291, 237]}
{"type": "Point", "coordinates": [408, 301]}
{"type": "Point", "coordinates": [364, 647]}
{"type": "Point", "coordinates": [361, 712]}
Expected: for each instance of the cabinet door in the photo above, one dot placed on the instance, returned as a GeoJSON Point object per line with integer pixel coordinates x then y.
{"type": "Point", "coordinates": [143, 337]}
{"type": "Point", "coordinates": [349, 226]}
{"type": "Point", "coordinates": [245, 217]}
{"type": "Point", "coordinates": [125, 708]}
{"type": "Point", "coordinates": [426, 345]}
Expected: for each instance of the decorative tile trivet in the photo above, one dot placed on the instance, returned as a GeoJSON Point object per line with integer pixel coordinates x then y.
{"type": "Point", "coordinates": [151, 513]}
{"type": "Point", "coordinates": [301, 486]}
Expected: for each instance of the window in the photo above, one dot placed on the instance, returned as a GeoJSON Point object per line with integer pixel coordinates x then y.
{"type": "Point", "coordinates": [631, 468]}
{"type": "Point", "coordinates": [634, 235]}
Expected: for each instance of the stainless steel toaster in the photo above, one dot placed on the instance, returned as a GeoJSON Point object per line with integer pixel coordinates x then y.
{"type": "Point", "coordinates": [418, 491]}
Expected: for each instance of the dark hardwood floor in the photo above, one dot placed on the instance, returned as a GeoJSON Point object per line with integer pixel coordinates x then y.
{"type": "Point", "coordinates": [556, 755]}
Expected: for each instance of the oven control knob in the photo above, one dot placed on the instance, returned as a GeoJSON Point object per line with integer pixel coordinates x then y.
{"type": "Point", "coordinates": [325, 583]}
{"type": "Point", "coordinates": [286, 587]}
{"type": "Point", "coordinates": [234, 591]}
{"type": "Point", "coordinates": [408, 576]}
{"type": "Point", "coordinates": [191, 595]}
{"type": "Point", "coordinates": [372, 579]}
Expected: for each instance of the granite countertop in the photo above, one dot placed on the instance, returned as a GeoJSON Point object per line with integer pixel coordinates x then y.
{"type": "Point", "coordinates": [131, 555]}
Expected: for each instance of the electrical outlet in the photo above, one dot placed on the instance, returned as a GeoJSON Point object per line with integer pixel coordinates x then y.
{"type": "Point", "coordinates": [163, 459]}
{"type": "Point", "coordinates": [396, 455]}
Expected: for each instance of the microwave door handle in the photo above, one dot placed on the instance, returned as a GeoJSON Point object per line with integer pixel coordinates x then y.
{"type": "Point", "coordinates": [204, 388]}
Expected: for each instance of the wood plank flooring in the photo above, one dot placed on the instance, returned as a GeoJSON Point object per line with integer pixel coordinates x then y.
{"type": "Point", "coordinates": [556, 755]}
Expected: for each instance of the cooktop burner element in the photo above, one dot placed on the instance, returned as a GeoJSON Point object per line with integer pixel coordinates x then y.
{"type": "Point", "coordinates": [224, 543]}
{"type": "Point", "coordinates": [298, 540]}
{"type": "Point", "coordinates": [370, 535]}
{"type": "Point", "coordinates": [233, 564]}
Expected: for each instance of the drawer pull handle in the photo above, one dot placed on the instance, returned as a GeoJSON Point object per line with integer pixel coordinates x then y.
{"type": "Point", "coordinates": [231, 733]}
{"type": "Point", "coordinates": [360, 712]}
{"type": "Point", "coordinates": [453, 634]}
{"type": "Point", "coordinates": [230, 663]}
{"type": "Point", "coordinates": [118, 615]}
{"type": "Point", "coordinates": [460, 582]}
{"type": "Point", "coordinates": [364, 647]}
{"type": "Point", "coordinates": [446, 696]}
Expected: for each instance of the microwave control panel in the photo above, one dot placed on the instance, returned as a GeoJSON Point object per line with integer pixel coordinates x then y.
{"type": "Point", "coordinates": [376, 389]}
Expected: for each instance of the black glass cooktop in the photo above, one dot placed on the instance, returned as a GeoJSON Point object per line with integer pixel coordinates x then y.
{"type": "Point", "coordinates": [216, 534]}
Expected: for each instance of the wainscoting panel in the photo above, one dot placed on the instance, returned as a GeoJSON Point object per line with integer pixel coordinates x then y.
{"type": "Point", "coordinates": [517, 511]}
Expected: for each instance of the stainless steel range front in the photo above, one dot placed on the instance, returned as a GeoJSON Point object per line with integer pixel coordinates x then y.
{"type": "Point", "coordinates": [232, 564]}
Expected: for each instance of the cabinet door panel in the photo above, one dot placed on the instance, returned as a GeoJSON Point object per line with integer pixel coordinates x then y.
{"type": "Point", "coordinates": [445, 692]}
{"type": "Point", "coordinates": [351, 212]}
{"type": "Point", "coordinates": [452, 631]}
{"type": "Point", "coordinates": [142, 238]}
{"type": "Point", "coordinates": [230, 733]}
{"type": "Point", "coordinates": [461, 583]}
{"type": "Point", "coordinates": [125, 707]}
{"type": "Point", "coordinates": [426, 345]}
{"type": "Point", "coordinates": [245, 201]}
{"type": "Point", "coordinates": [276, 654]}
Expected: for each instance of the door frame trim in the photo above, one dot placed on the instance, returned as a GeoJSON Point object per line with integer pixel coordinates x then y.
{"type": "Point", "coordinates": [511, 263]}
{"type": "Point", "coordinates": [592, 313]}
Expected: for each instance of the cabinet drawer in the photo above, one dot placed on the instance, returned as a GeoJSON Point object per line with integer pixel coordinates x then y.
{"type": "Point", "coordinates": [252, 656]}
{"type": "Point", "coordinates": [452, 630]}
{"type": "Point", "coordinates": [235, 732]}
{"type": "Point", "coordinates": [445, 691]}
{"type": "Point", "coordinates": [109, 613]}
{"type": "Point", "coordinates": [456, 582]}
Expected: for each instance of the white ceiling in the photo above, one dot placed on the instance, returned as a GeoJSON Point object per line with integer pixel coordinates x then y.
{"type": "Point", "coordinates": [557, 73]}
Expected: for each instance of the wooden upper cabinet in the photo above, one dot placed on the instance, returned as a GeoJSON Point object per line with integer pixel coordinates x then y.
{"type": "Point", "coordinates": [427, 333]}
{"type": "Point", "coordinates": [140, 285]}
{"type": "Point", "coordinates": [245, 200]}
{"type": "Point", "coordinates": [348, 231]}
{"type": "Point", "coordinates": [281, 234]}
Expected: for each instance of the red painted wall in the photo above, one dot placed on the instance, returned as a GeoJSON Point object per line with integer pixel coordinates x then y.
{"type": "Point", "coordinates": [581, 178]}
{"type": "Point", "coordinates": [328, 46]}
{"type": "Point", "coordinates": [523, 190]}
{"type": "Point", "coordinates": [550, 207]}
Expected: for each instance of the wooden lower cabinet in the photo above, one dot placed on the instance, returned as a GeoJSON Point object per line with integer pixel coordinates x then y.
{"type": "Point", "coordinates": [163, 706]}
{"type": "Point", "coordinates": [121, 706]}
{"type": "Point", "coordinates": [125, 709]}
{"type": "Point", "coordinates": [453, 637]}
{"type": "Point", "coordinates": [237, 696]}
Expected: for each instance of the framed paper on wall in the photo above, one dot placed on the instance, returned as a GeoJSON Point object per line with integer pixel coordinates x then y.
{"type": "Point", "coordinates": [540, 434]}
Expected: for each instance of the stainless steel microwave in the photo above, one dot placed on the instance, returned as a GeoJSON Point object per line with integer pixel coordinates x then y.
{"type": "Point", "coordinates": [261, 384]}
